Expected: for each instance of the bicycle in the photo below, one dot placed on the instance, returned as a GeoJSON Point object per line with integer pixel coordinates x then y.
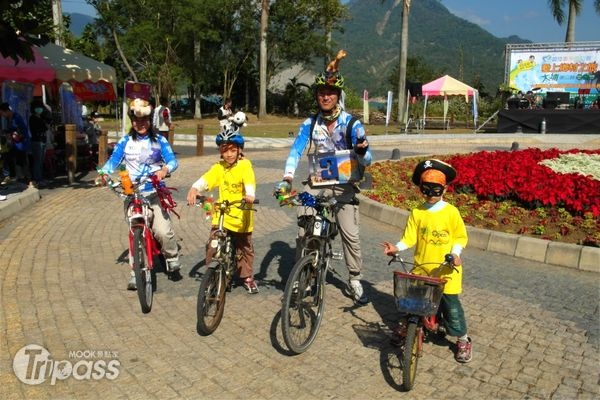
{"type": "Point", "coordinates": [303, 297]}
{"type": "Point", "coordinates": [218, 278]}
{"type": "Point", "coordinates": [143, 246]}
{"type": "Point", "coordinates": [417, 297]}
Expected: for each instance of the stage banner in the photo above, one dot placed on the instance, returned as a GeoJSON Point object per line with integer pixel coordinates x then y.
{"type": "Point", "coordinates": [544, 69]}
{"type": "Point", "coordinates": [94, 91]}
{"type": "Point", "coordinates": [137, 90]}
{"type": "Point", "coordinates": [365, 107]}
{"type": "Point", "coordinates": [388, 112]}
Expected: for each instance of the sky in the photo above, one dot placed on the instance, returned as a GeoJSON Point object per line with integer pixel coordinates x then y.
{"type": "Point", "coordinates": [529, 19]}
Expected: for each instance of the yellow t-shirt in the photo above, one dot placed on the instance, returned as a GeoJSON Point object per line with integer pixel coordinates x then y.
{"type": "Point", "coordinates": [434, 233]}
{"type": "Point", "coordinates": [232, 182]}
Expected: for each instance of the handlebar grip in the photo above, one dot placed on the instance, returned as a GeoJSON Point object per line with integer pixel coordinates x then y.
{"type": "Point", "coordinates": [449, 258]}
{"type": "Point", "coordinates": [256, 201]}
{"type": "Point", "coordinates": [200, 199]}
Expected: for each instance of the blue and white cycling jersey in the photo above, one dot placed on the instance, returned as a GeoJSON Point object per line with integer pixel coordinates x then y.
{"type": "Point", "coordinates": [323, 142]}
{"type": "Point", "coordinates": [142, 157]}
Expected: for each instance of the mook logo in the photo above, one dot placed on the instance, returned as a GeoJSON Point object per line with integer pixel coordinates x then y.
{"type": "Point", "coordinates": [33, 365]}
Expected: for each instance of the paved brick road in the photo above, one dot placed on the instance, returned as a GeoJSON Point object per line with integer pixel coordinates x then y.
{"type": "Point", "coordinates": [62, 274]}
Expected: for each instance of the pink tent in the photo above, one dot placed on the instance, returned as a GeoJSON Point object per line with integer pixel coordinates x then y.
{"type": "Point", "coordinates": [448, 86]}
{"type": "Point", "coordinates": [39, 71]}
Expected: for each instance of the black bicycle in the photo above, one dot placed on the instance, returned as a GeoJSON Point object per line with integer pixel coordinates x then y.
{"type": "Point", "coordinates": [304, 295]}
{"type": "Point", "coordinates": [217, 279]}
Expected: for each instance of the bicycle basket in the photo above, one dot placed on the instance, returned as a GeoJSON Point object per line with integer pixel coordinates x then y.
{"type": "Point", "coordinates": [417, 294]}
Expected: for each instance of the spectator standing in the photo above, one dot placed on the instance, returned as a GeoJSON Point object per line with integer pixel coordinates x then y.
{"type": "Point", "coordinates": [162, 118]}
{"type": "Point", "coordinates": [18, 141]}
{"type": "Point", "coordinates": [225, 112]}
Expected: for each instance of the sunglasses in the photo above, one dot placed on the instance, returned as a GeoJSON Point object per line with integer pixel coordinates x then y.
{"type": "Point", "coordinates": [140, 119]}
{"type": "Point", "coordinates": [430, 189]}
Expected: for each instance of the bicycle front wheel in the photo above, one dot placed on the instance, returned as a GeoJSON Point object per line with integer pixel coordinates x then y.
{"type": "Point", "coordinates": [211, 299]}
{"type": "Point", "coordinates": [410, 356]}
{"type": "Point", "coordinates": [143, 275]}
{"type": "Point", "coordinates": [303, 302]}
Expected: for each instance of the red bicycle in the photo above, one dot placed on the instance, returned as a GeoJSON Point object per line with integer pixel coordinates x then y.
{"type": "Point", "coordinates": [417, 298]}
{"type": "Point", "coordinates": [143, 246]}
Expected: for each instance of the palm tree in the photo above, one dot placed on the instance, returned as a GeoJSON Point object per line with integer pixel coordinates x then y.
{"type": "Point", "coordinates": [264, 26]}
{"type": "Point", "coordinates": [557, 7]}
{"type": "Point", "coordinates": [402, 61]}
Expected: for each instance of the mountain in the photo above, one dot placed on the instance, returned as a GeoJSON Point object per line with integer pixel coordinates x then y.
{"type": "Point", "coordinates": [78, 22]}
{"type": "Point", "coordinates": [447, 43]}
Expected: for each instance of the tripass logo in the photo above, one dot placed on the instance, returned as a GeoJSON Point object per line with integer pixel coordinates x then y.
{"type": "Point", "coordinates": [33, 364]}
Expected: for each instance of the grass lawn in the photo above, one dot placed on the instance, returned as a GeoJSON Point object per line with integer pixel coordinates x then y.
{"type": "Point", "coordinates": [271, 126]}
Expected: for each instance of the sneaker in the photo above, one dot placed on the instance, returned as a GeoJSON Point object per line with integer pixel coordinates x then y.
{"type": "Point", "coordinates": [173, 265]}
{"type": "Point", "coordinates": [464, 351]}
{"type": "Point", "coordinates": [250, 285]}
{"type": "Point", "coordinates": [3, 197]}
{"type": "Point", "coordinates": [357, 292]}
{"type": "Point", "coordinates": [131, 285]}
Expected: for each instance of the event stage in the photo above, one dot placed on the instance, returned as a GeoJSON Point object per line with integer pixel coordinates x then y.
{"type": "Point", "coordinates": [557, 121]}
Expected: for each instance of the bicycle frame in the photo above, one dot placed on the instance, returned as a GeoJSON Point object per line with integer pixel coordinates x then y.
{"type": "Point", "coordinates": [223, 243]}
{"type": "Point", "coordinates": [139, 215]}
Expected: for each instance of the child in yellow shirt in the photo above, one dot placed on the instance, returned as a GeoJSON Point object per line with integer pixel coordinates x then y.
{"type": "Point", "coordinates": [436, 228]}
{"type": "Point", "coordinates": [234, 177]}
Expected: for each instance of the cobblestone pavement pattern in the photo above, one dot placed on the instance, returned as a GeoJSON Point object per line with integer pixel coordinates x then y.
{"type": "Point", "coordinates": [63, 272]}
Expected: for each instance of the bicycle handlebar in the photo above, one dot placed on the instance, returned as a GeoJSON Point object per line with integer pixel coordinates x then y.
{"type": "Point", "coordinates": [114, 184]}
{"type": "Point", "coordinates": [200, 200]}
{"type": "Point", "coordinates": [309, 200]}
{"type": "Point", "coordinates": [447, 263]}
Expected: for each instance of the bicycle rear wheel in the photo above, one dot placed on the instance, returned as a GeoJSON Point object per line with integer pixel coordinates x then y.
{"type": "Point", "coordinates": [410, 356]}
{"type": "Point", "coordinates": [303, 302]}
{"type": "Point", "coordinates": [211, 299]}
{"type": "Point", "coordinates": [143, 275]}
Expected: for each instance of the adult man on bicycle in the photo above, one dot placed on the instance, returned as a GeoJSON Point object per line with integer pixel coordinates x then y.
{"type": "Point", "coordinates": [328, 131]}
{"type": "Point", "coordinates": [145, 153]}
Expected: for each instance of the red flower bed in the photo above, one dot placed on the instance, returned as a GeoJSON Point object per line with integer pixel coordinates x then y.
{"type": "Point", "coordinates": [519, 176]}
{"type": "Point", "coordinates": [505, 191]}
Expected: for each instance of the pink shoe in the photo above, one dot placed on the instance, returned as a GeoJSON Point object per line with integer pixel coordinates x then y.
{"type": "Point", "coordinates": [250, 285]}
{"type": "Point", "coordinates": [464, 351]}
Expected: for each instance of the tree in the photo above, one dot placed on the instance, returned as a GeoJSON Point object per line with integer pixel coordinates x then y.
{"type": "Point", "coordinates": [574, 6]}
{"type": "Point", "coordinates": [402, 61]}
{"type": "Point", "coordinates": [24, 24]}
{"type": "Point", "coordinates": [264, 25]}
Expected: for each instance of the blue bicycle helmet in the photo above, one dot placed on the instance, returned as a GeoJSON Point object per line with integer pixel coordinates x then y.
{"type": "Point", "coordinates": [230, 134]}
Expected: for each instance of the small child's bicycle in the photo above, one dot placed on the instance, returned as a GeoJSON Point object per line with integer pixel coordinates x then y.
{"type": "Point", "coordinates": [217, 279]}
{"type": "Point", "coordinates": [417, 297]}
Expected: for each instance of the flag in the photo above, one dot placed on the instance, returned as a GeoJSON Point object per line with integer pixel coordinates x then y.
{"type": "Point", "coordinates": [388, 113]}
{"type": "Point", "coordinates": [365, 107]}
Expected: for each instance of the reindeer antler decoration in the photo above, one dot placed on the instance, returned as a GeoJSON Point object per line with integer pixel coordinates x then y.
{"type": "Point", "coordinates": [334, 64]}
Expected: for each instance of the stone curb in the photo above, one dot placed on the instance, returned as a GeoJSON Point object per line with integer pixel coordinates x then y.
{"type": "Point", "coordinates": [574, 256]}
{"type": "Point", "coordinates": [18, 201]}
